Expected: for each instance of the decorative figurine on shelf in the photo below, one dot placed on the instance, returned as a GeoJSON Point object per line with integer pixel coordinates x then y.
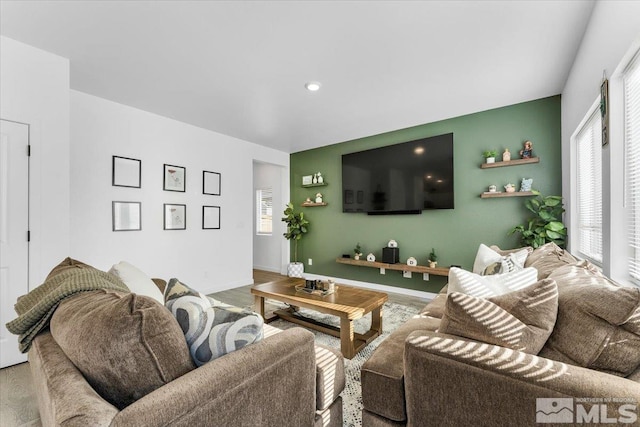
{"type": "Point", "coordinates": [308, 201]}
{"type": "Point", "coordinates": [411, 261]}
{"type": "Point", "coordinates": [525, 185]}
{"type": "Point", "coordinates": [319, 198]}
{"type": "Point", "coordinates": [527, 151]}
{"type": "Point", "coordinates": [493, 188]}
{"type": "Point", "coordinates": [433, 258]}
{"type": "Point", "coordinates": [320, 178]}
{"type": "Point", "coordinates": [506, 156]}
{"type": "Point", "coordinates": [510, 188]}
{"type": "Point", "coordinates": [357, 252]}
{"type": "Point", "coordinates": [392, 244]}
{"type": "Point", "coordinates": [315, 178]}
{"type": "Point", "coordinates": [371, 257]}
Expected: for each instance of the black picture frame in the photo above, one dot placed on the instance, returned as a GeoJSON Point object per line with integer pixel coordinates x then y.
{"type": "Point", "coordinates": [211, 183]}
{"type": "Point", "coordinates": [211, 217]}
{"type": "Point", "coordinates": [604, 111]}
{"type": "Point", "coordinates": [174, 216]}
{"type": "Point", "coordinates": [174, 178]}
{"type": "Point", "coordinates": [126, 216]}
{"type": "Point", "coordinates": [126, 172]}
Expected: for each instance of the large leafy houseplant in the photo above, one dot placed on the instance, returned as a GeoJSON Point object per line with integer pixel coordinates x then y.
{"type": "Point", "coordinates": [546, 225]}
{"type": "Point", "coordinates": [297, 227]}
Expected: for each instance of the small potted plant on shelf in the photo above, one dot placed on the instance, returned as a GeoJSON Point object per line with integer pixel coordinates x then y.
{"type": "Point", "coordinates": [297, 227]}
{"type": "Point", "coordinates": [433, 259]}
{"type": "Point", "coordinates": [490, 156]}
{"type": "Point", "coordinates": [357, 252]}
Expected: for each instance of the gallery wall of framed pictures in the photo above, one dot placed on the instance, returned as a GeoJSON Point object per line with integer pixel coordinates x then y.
{"type": "Point", "coordinates": [127, 214]}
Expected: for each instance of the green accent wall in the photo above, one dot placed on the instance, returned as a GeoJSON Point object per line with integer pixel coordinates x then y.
{"type": "Point", "coordinates": [454, 233]}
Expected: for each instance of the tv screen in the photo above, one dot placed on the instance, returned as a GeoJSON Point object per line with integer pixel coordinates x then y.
{"type": "Point", "coordinates": [402, 178]}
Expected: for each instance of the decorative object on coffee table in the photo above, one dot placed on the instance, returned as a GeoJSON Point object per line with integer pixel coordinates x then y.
{"type": "Point", "coordinates": [297, 227]}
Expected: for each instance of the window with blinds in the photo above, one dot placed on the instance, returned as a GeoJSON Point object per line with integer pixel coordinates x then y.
{"type": "Point", "coordinates": [589, 187]}
{"type": "Point", "coordinates": [631, 82]}
{"type": "Point", "coordinates": [264, 202]}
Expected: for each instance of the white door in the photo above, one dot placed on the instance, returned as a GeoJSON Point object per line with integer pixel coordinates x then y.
{"type": "Point", "coordinates": [14, 224]}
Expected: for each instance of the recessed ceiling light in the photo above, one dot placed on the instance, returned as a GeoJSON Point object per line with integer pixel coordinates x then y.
{"type": "Point", "coordinates": [313, 86]}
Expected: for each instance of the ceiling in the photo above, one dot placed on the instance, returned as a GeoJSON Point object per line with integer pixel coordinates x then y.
{"type": "Point", "coordinates": [239, 67]}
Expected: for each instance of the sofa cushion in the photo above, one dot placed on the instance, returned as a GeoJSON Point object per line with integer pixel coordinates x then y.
{"type": "Point", "coordinates": [488, 261]}
{"type": "Point", "coordinates": [137, 282]}
{"type": "Point", "coordinates": [382, 375]}
{"type": "Point", "coordinates": [126, 345]}
{"type": "Point", "coordinates": [211, 328]}
{"type": "Point", "coordinates": [597, 325]}
{"type": "Point", "coordinates": [547, 258]}
{"type": "Point", "coordinates": [488, 286]}
{"type": "Point", "coordinates": [521, 320]}
{"type": "Point", "coordinates": [435, 308]}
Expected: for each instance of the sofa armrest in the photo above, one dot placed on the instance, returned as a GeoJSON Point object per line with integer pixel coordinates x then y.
{"type": "Point", "coordinates": [492, 385]}
{"type": "Point", "coordinates": [268, 383]}
{"type": "Point", "coordinates": [65, 398]}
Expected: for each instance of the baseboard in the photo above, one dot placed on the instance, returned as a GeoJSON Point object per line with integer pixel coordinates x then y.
{"type": "Point", "coordinates": [226, 286]}
{"type": "Point", "coordinates": [376, 286]}
{"type": "Point", "coordinates": [269, 269]}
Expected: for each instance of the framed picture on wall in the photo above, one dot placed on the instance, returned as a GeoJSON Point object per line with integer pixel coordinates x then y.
{"type": "Point", "coordinates": [211, 217]}
{"type": "Point", "coordinates": [175, 217]}
{"type": "Point", "coordinates": [126, 216]}
{"type": "Point", "coordinates": [126, 172]}
{"type": "Point", "coordinates": [211, 183]}
{"type": "Point", "coordinates": [174, 178]}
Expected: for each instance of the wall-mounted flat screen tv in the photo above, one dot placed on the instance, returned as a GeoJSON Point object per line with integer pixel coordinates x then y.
{"type": "Point", "coordinates": [399, 179]}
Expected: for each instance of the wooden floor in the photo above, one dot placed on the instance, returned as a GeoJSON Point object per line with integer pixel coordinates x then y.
{"type": "Point", "coordinates": [241, 297]}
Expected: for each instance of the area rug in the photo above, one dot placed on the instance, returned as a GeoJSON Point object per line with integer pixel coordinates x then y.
{"type": "Point", "coordinates": [394, 316]}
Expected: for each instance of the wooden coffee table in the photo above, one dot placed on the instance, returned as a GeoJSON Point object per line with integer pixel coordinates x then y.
{"type": "Point", "coordinates": [348, 303]}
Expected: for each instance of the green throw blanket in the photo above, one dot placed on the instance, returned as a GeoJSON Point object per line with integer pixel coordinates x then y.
{"type": "Point", "coordinates": [36, 308]}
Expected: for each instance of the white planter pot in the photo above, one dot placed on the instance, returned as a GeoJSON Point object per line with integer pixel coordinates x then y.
{"type": "Point", "coordinates": [295, 269]}
{"type": "Point", "coordinates": [491, 159]}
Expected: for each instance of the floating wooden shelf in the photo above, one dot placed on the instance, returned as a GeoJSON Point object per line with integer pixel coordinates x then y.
{"type": "Point", "coordinates": [438, 271]}
{"type": "Point", "coordinates": [314, 185]}
{"type": "Point", "coordinates": [488, 195]}
{"type": "Point", "coordinates": [313, 205]}
{"type": "Point", "coordinates": [510, 163]}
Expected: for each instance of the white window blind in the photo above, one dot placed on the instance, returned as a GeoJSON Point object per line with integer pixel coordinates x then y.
{"type": "Point", "coordinates": [631, 81]}
{"type": "Point", "coordinates": [265, 210]}
{"type": "Point", "coordinates": [589, 187]}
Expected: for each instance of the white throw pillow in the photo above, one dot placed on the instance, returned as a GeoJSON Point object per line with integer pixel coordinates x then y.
{"type": "Point", "coordinates": [476, 285]}
{"type": "Point", "coordinates": [137, 282]}
{"type": "Point", "coordinates": [487, 257]}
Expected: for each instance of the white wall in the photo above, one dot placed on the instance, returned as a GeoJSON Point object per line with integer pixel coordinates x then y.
{"type": "Point", "coordinates": [209, 260]}
{"type": "Point", "coordinates": [34, 89]}
{"type": "Point", "coordinates": [268, 250]}
{"type": "Point", "coordinates": [613, 30]}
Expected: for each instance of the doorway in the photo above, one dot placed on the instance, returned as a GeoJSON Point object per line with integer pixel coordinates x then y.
{"type": "Point", "coordinates": [14, 231]}
{"type": "Point", "coordinates": [268, 205]}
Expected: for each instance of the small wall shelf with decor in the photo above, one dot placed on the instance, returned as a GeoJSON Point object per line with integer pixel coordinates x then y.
{"type": "Point", "coordinates": [322, 184]}
{"type": "Point", "coordinates": [491, 195]}
{"type": "Point", "coordinates": [437, 271]}
{"type": "Point", "coordinates": [313, 205]}
{"type": "Point", "coordinates": [510, 163]}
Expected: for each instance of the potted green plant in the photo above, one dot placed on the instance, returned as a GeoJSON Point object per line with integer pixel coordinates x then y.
{"type": "Point", "coordinates": [357, 252]}
{"type": "Point", "coordinates": [433, 259]}
{"type": "Point", "coordinates": [297, 227]}
{"type": "Point", "coordinates": [490, 156]}
{"type": "Point", "coordinates": [546, 224]}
